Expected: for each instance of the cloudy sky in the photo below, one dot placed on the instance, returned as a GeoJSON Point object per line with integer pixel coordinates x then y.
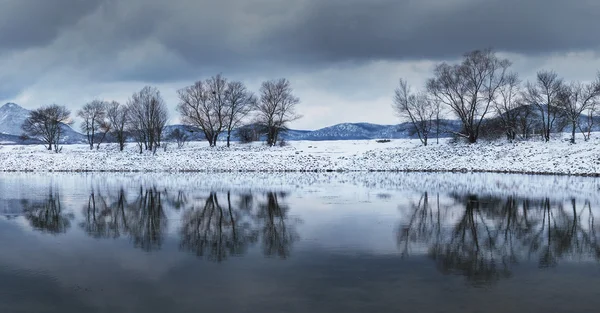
{"type": "Point", "coordinates": [343, 57]}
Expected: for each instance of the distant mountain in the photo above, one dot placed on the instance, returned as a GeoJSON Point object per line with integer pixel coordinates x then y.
{"type": "Point", "coordinates": [357, 131]}
{"type": "Point", "coordinates": [12, 117]}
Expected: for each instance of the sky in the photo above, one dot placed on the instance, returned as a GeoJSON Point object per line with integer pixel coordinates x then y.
{"type": "Point", "coordinates": [342, 57]}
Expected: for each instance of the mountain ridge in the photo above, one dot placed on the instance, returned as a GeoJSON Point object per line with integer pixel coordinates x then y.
{"type": "Point", "coordinates": [12, 117]}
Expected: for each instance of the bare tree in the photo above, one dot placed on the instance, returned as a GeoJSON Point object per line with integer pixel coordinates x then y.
{"type": "Point", "coordinates": [92, 115]}
{"type": "Point", "coordinates": [544, 95]}
{"type": "Point", "coordinates": [575, 98]}
{"type": "Point", "coordinates": [147, 117]}
{"type": "Point", "coordinates": [418, 108]}
{"type": "Point", "coordinates": [116, 116]}
{"type": "Point", "coordinates": [238, 104]}
{"type": "Point", "coordinates": [508, 105]}
{"type": "Point", "coordinates": [470, 88]}
{"type": "Point", "coordinates": [203, 105]}
{"type": "Point", "coordinates": [589, 121]}
{"type": "Point", "coordinates": [276, 108]}
{"type": "Point", "coordinates": [179, 136]}
{"type": "Point", "coordinates": [46, 124]}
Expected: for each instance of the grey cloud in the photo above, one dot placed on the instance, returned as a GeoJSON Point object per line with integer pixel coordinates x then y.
{"type": "Point", "coordinates": [162, 41]}
{"type": "Point", "coordinates": [30, 23]}
{"type": "Point", "coordinates": [387, 29]}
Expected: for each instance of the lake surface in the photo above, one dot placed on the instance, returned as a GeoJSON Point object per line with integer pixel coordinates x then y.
{"type": "Point", "coordinates": [360, 242]}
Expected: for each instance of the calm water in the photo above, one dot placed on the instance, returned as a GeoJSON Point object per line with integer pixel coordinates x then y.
{"type": "Point", "coordinates": [385, 243]}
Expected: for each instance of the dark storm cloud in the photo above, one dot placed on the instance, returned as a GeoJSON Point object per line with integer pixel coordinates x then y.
{"type": "Point", "coordinates": [30, 23]}
{"type": "Point", "coordinates": [337, 30]}
{"type": "Point", "coordinates": [158, 41]}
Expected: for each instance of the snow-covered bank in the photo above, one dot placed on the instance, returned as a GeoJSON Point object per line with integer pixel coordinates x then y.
{"type": "Point", "coordinates": [556, 157]}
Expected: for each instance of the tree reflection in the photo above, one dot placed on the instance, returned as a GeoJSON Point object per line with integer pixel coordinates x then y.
{"type": "Point", "coordinates": [491, 234]}
{"type": "Point", "coordinates": [216, 232]}
{"type": "Point", "coordinates": [143, 220]}
{"type": "Point", "coordinates": [214, 227]}
{"type": "Point", "coordinates": [276, 235]}
{"type": "Point", "coordinates": [47, 215]}
{"type": "Point", "coordinates": [147, 220]}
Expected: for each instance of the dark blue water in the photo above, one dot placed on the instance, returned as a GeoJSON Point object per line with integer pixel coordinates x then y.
{"type": "Point", "coordinates": [102, 243]}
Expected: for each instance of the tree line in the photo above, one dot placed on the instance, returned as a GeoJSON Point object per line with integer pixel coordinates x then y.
{"type": "Point", "coordinates": [214, 106]}
{"type": "Point", "coordinates": [491, 101]}
{"type": "Point", "coordinates": [480, 91]}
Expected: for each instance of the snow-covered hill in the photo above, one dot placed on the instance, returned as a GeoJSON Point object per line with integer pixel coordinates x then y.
{"type": "Point", "coordinates": [12, 117]}
{"type": "Point", "coordinates": [357, 131]}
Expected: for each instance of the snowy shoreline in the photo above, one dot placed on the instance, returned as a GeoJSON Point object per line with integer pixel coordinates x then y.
{"type": "Point", "coordinates": [401, 155]}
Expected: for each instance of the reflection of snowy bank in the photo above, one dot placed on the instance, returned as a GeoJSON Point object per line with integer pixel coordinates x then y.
{"type": "Point", "coordinates": [489, 184]}
{"type": "Point", "coordinates": [558, 157]}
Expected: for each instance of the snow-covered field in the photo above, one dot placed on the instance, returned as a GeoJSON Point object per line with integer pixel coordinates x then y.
{"type": "Point", "coordinates": [556, 157]}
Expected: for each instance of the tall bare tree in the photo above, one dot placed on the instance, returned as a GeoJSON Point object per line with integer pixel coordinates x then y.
{"type": "Point", "coordinates": [147, 117]}
{"type": "Point", "coordinates": [417, 108]}
{"type": "Point", "coordinates": [469, 88]}
{"type": "Point", "coordinates": [203, 105]}
{"type": "Point", "coordinates": [116, 116]}
{"type": "Point", "coordinates": [92, 115]}
{"type": "Point", "coordinates": [276, 108]}
{"type": "Point", "coordinates": [508, 105]}
{"type": "Point", "coordinates": [47, 124]}
{"type": "Point", "coordinates": [575, 98]}
{"type": "Point", "coordinates": [588, 123]}
{"type": "Point", "coordinates": [238, 104]}
{"type": "Point", "coordinates": [544, 94]}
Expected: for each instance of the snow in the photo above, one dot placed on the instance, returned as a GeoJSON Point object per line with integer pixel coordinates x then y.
{"type": "Point", "coordinates": [555, 157]}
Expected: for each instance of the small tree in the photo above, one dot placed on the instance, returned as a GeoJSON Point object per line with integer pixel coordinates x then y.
{"type": "Point", "coordinates": [116, 116]}
{"type": "Point", "coordinates": [417, 108]}
{"type": "Point", "coordinates": [147, 117]}
{"type": "Point", "coordinates": [238, 104]}
{"type": "Point", "coordinates": [276, 108]}
{"type": "Point", "coordinates": [508, 104]}
{"type": "Point", "coordinates": [179, 136]}
{"type": "Point", "coordinates": [92, 115]}
{"type": "Point", "coordinates": [575, 98]}
{"type": "Point", "coordinates": [544, 95]}
{"type": "Point", "coordinates": [46, 124]}
{"type": "Point", "coordinates": [588, 123]}
{"type": "Point", "coordinates": [248, 133]}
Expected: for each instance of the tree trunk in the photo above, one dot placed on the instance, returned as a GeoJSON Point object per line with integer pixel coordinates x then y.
{"type": "Point", "coordinates": [472, 138]}
{"type": "Point", "coordinates": [573, 127]}
{"type": "Point", "coordinates": [228, 137]}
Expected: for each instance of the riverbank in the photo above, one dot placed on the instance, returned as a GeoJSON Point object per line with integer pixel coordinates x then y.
{"type": "Point", "coordinates": [532, 157]}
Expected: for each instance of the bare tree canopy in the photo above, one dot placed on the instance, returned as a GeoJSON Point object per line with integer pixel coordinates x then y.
{"type": "Point", "coordinates": [203, 105]}
{"type": "Point", "coordinates": [116, 116]}
{"type": "Point", "coordinates": [543, 94]}
{"type": "Point", "coordinates": [46, 124]}
{"type": "Point", "coordinates": [418, 108]}
{"type": "Point", "coordinates": [276, 108]}
{"type": "Point", "coordinates": [575, 98]}
{"type": "Point", "coordinates": [509, 105]}
{"type": "Point", "coordinates": [147, 117]}
{"type": "Point", "coordinates": [469, 88]}
{"type": "Point", "coordinates": [93, 119]}
{"type": "Point", "coordinates": [238, 104]}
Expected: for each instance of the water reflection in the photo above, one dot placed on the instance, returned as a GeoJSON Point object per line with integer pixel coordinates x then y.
{"type": "Point", "coordinates": [47, 215]}
{"type": "Point", "coordinates": [213, 227]}
{"type": "Point", "coordinates": [489, 235]}
{"type": "Point", "coordinates": [215, 232]}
